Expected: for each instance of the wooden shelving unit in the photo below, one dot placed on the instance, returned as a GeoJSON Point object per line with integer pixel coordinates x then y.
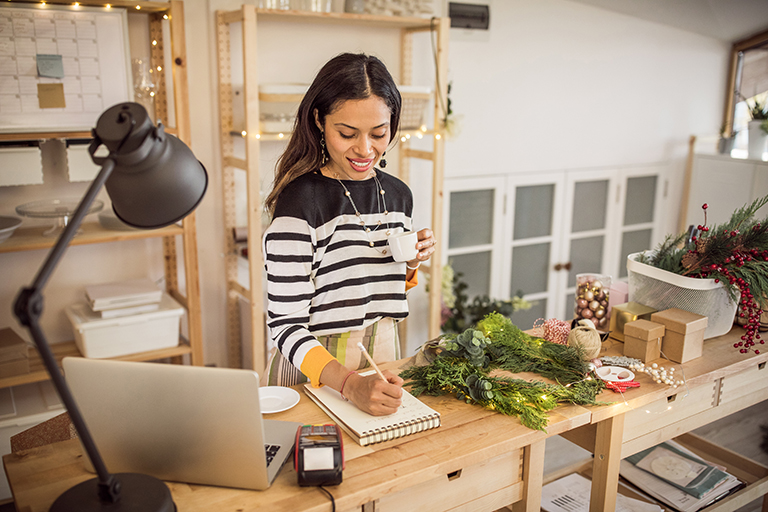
{"type": "Point", "coordinates": [38, 373]}
{"type": "Point", "coordinates": [249, 17]}
{"type": "Point", "coordinates": [30, 239]}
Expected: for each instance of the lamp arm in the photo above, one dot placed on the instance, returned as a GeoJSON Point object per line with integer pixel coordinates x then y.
{"type": "Point", "coordinates": [29, 307]}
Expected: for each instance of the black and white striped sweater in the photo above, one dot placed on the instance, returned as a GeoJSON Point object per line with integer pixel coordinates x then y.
{"type": "Point", "coordinates": [323, 277]}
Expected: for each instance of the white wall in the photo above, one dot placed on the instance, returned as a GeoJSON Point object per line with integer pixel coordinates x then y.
{"type": "Point", "coordinates": [556, 85]}
{"type": "Point", "coordinates": [560, 85]}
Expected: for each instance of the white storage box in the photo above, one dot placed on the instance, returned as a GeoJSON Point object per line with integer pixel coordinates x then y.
{"type": "Point", "coordinates": [660, 290]}
{"type": "Point", "coordinates": [98, 338]}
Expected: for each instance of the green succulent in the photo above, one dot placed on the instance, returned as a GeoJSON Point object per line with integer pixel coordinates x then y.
{"type": "Point", "coordinates": [471, 345]}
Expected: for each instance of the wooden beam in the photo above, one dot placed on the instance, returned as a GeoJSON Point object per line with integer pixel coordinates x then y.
{"type": "Point", "coordinates": [605, 472]}
{"type": "Point", "coordinates": [441, 91]}
{"type": "Point", "coordinates": [681, 223]}
{"type": "Point", "coordinates": [417, 153]}
{"type": "Point", "coordinates": [253, 180]}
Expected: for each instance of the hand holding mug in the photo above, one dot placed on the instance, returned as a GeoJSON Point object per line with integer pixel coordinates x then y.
{"type": "Point", "coordinates": [413, 247]}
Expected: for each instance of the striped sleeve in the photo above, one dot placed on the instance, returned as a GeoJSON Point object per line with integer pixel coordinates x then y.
{"type": "Point", "coordinates": [289, 248]}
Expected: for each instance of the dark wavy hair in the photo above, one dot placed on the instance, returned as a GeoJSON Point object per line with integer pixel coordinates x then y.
{"type": "Point", "coordinates": [349, 76]}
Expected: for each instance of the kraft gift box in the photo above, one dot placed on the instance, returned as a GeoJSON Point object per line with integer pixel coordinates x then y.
{"type": "Point", "coordinates": [642, 340]}
{"type": "Point", "coordinates": [683, 336]}
{"type": "Point", "coordinates": [622, 314]}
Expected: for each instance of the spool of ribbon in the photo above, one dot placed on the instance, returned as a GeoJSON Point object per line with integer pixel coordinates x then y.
{"type": "Point", "coordinates": [553, 330]}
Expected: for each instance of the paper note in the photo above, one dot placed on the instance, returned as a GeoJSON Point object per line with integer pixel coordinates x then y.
{"type": "Point", "coordinates": [51, 95]}
{"type": "Point", "coordinates": [50, 66]}
{"type": "Point", "coordinates": [20, 166]}
{"type": "Point", "coordinates": [572, 494]}
{"type": "Point", "coordinates": [80, 164]}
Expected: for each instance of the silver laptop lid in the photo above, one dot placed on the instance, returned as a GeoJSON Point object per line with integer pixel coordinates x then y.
{"type": "Point", "coordinates": [180, 423]}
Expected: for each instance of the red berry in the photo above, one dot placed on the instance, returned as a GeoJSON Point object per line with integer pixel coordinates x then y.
{"type": "Point", "coordinates": [704, 206]}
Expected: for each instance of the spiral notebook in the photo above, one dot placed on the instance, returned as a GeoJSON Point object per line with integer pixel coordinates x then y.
{"type": "Point", "coordinates": [413, 416]}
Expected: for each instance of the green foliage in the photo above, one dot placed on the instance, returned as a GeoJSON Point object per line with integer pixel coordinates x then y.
{"type": "Point", "coordinates": [471, 345]}
{"type": "Point", "coordinates": [518, 352]}
{"type": "Point", "coordinates": [464, 313]}
{"type": "Point", "coordinates": [506, 347]}
{"type": "Point", "coordinates": [758, 109]}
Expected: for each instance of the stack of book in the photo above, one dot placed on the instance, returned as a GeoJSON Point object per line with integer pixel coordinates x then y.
{"type": "Point", "coordinates": [125, 298]}
{"type": "Point", "coordinates": [677, 477]}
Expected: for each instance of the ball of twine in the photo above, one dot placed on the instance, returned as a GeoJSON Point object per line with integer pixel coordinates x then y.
{"type": "Point", "coordinates": [586, 336]}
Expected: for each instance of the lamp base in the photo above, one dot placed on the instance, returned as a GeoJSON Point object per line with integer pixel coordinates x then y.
{"type": "Point", "coordinates": [140, 493]}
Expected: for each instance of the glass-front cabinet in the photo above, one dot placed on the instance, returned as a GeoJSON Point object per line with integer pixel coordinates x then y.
{"type": "Point", "coordinates": [475, 213]}
{"type": "Point", "coordinates": [531, 234]}
{"type": "Point", "coordinates": [532, 244]}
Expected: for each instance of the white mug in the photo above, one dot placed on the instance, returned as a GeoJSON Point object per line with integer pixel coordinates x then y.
{"type": "Point", "coordinates": [403, 245]}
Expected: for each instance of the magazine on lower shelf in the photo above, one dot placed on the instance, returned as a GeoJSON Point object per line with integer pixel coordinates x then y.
{"type": "Point", "coordinates": [671, 495]}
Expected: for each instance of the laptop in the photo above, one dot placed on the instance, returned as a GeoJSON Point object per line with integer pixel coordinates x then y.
{"type": "Point", "coordinates": [180, 423]}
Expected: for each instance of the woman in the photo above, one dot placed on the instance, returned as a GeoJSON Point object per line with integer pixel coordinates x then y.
{"type": "Point", "coordinates": [331, 280]}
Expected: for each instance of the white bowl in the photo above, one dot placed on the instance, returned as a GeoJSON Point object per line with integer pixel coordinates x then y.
{"type": "Point", "coordinates": [7, 226]}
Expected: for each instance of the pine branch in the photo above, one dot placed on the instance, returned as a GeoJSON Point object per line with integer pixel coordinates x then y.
{"type": "Point", "coordinates": [457, 370]}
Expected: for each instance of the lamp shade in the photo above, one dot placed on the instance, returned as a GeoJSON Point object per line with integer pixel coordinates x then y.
{"type": "Point", "coordinates": [156, 180]}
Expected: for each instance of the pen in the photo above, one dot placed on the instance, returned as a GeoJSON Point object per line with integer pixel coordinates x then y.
{"type": "Point", "coordinates": [370, 360]}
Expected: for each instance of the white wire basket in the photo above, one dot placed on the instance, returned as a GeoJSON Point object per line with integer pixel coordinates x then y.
{"type": "Point", "coordinates": [660, 290]}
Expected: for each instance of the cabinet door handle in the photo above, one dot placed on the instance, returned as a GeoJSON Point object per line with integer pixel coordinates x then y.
{"type": "Point", "coordinates": [567, 266]}
{"type": "Point", "coordinates": [563, 266]}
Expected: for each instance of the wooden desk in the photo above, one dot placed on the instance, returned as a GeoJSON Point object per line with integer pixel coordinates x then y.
{"type": "Point", "coordinates": [719, 383]}
{"type": "Point", "coordinates": [475, 457]}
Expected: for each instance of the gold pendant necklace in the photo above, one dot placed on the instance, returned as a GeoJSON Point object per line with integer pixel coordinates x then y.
{"type": "Point", "coordinates": [379, 200]}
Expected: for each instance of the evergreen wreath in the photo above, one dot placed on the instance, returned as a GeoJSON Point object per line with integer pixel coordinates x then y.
{"type": "Point", "coordinates": [465, 362]}
{"type": "Point", "coordinates": [734, 253]}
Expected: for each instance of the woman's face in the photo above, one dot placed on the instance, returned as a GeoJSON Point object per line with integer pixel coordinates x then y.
{"type": "Point", "coordinates": [356, 135]}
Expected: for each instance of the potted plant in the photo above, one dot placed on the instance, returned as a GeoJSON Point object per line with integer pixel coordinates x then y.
{"type": "Point", "coordinates": [758, 113]}
{"type": "Point", "coordinates": [725, 143]}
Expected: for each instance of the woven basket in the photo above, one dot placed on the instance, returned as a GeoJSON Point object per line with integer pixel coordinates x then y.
{"type": "Point", "coordinates": [415, 101]}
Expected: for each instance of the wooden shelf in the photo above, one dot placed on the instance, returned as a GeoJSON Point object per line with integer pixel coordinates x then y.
{"type": "Point", "coordinates": [29, 239]}
{"type": "Point", "coordinates": [284, 136]}
{"type": "Point", "coordinates": [337, 17]}
{"type": "Point", "coordinates": [232, 162]}
{"type": "Point", "coordinates": [131, 6]}
{"type": "Point", "coordinates": [35, 136]}
{"type": "Point", "coordinates": [37, 372]}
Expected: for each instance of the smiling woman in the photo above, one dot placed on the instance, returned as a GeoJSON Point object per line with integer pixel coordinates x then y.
{"type": "Point", "coordinates": [332, 282]}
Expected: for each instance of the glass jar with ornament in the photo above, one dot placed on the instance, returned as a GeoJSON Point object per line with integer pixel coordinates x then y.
{"type": "Point", "coordinates": [592, 296]}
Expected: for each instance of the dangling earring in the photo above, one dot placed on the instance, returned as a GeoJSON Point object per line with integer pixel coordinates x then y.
{"type": "Point", "coordinates": [323, 149]}
{"type": "Point", "coordinates": [383, 161]}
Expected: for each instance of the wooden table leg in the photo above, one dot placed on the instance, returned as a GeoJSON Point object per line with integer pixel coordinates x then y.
{"type": "Point", "coordinates": [605, 469]}
{"type": "Point", "coordinates": [533, 478]}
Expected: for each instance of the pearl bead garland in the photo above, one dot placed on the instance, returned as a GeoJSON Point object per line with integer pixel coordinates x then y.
{"type": "Point", "coordinates": [659, 374]}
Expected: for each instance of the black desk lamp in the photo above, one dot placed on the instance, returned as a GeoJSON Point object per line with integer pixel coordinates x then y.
{"type": "Point", "coordinates": [153, 180]}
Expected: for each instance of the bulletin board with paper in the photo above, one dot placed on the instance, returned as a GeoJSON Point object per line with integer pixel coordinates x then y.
{"type": "Point", "coordinates": [61, 66]}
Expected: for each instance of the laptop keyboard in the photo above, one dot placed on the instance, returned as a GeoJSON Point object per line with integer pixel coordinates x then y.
{"type": "Point", "coordinates": [271, 451]}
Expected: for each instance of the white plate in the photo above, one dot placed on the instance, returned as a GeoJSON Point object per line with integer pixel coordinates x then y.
{"type": "Point", "coordinates": [614, 374]}
{"type": "Point", "coordinates": [277, 399]}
